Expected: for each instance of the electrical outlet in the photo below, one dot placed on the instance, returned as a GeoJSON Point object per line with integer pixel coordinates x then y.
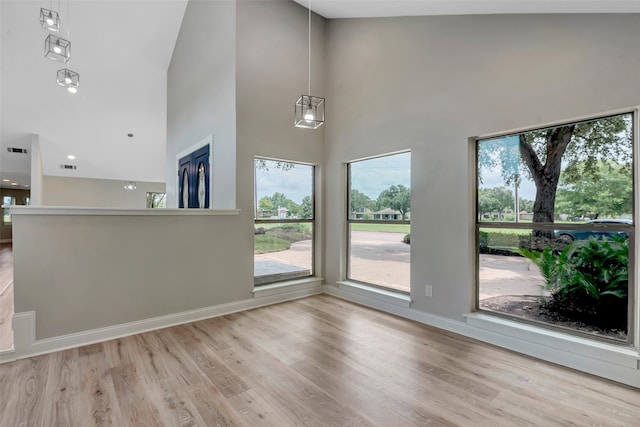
{"type": "Point", "coordinates": [428, 290]}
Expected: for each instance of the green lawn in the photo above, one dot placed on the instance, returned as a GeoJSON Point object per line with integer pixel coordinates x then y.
{"type": "Point", "coordinates": [390, 228]}
{"type": "Point", "coordinates": [263, 244]}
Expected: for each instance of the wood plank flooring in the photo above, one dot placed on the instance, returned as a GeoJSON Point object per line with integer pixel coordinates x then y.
{"type": "Point", "coordinates": [319, 361]}
{"type": "Point", "coordinates": [6, 296]}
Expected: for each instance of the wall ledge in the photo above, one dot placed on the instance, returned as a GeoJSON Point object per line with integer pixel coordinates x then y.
{"type": "Point", "coordinates": [286, 287]}
{"type": "Point", "coordinates": [87, 211]}
{"type": "Point", "coordinates": [384, 295]}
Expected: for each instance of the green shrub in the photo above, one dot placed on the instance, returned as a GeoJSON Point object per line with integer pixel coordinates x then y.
{"type": "Point", "coordinates": [496, 243]}
{"type": "Point", "coordinates": [290, 232]}
{"type": "Point", "coordinates": [407, 239]}
{"type": "Point", "coordinates": [588, 280]}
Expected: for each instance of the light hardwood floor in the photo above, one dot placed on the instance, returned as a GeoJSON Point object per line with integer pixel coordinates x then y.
{"type": "Point", "coordinates": [6, 296]}
{"type": "Point", "coordinates": [319, 361]}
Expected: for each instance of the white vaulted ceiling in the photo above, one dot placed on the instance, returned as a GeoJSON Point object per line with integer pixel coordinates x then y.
{"type": "Point", "coordinates": [122, 50]}
{"type": "Point", "coordinates": [384, 8]}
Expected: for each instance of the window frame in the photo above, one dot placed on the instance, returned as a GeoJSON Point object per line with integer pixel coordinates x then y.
{"type": "Point", "coordinates": [312, 220]}
{"type": "Point", "coordinates": [350, 221]}
{"type": "Point", "coordinates": [630, 229]}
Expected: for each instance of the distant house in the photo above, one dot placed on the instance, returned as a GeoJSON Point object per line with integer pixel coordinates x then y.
{"type": "Point", "coordinates": [387, 214]}
{"type": "Point", "coordinates": [362, 213]}
{"type": "Point", "coordinates": [497, 214]}
{"type": "Point", "coordinates": [524, 215]}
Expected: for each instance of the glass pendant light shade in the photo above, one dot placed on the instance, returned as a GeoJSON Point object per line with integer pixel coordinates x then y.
{"type": "Point", "coordinates": [50, 20]}
{"type": "Point", "coordinates": [57, 48]}
{"type": "Point", "coordinates": [130, 185]}
{"type": "Point", "coordinates": [69, 79]}
{"type": "Point", "coordinates": [309, 112]}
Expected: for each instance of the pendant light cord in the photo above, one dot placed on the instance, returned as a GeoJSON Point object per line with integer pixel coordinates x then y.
{"type": "Point", "coordinates": [309, 87]}
{"type": "Point", "coordinates": [66, 65]}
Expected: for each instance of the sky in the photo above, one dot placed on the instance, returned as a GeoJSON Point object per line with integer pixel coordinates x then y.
{"type": "Point", "coordinates": [370, 177]}
{"type": "Point", "coordinates": [492, 176]}
{"type": "Point", "coordinates": [295, 183]}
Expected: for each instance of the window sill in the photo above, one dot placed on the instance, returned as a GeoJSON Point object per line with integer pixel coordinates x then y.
{"type": "Point", "coordinates": [287, 287]}
{"type": "Point", "coordinates": [387, 296]}
{"type": "Point", "coordinates": [619, 354]}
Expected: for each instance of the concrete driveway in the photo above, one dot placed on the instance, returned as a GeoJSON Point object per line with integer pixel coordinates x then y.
{"type": "Point", "coordinates": [381, 258]}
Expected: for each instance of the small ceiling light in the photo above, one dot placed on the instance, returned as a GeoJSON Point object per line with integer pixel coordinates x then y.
{"type": "Point", "coordinates": [57, 48]}
{"type": "Point", "coordinates": [309, 110]}
{"type": "Point", "coordinates": [69, 79]}
{"type": "Point", "coordinates": [49, 19]}
{"type": "Point", "coordinates": [14, 183]}
{"type": "Point", "coordinates": [6, 180]}
{"type": "Point", "coordinates": [130, 185]}
{"type": "Point", "coordinates": [71, 157]}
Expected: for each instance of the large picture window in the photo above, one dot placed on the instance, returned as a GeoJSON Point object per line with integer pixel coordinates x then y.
{"type": "Point", "coordinates": [284, 221]}
{"type": "Point", "coordinates": [555, 221]}
{"type": "Point", "coordinates": [379, 211]}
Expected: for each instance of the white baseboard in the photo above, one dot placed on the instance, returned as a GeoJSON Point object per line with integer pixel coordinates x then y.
{"type": "Point", "coordinates": [621, 364]}
{"type": "Point", "coordinates": [26, 344]}
{"type": "Point", "coordinates": [617, 363]}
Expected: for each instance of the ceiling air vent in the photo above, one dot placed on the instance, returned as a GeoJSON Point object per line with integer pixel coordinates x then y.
{"type": "Point", "coordinates": [17, 150]}
{"type": "Point", "coordinates": [72, 167]}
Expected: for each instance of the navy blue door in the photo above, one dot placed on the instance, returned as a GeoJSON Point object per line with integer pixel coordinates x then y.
{"type": "Point", "coordinates": [193, 179]}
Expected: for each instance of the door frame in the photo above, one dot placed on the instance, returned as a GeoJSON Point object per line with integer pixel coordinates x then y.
{"type": "Point", "coordinates": [207, 140]}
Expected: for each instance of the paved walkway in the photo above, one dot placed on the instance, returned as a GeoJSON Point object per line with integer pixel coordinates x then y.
{"type": "Point", "coordinates": [381, 258]}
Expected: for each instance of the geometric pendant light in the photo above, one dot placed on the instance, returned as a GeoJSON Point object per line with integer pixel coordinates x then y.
{"type": "Point", "coordinates": [69, 79]}
{"type": "Point", "coordinates": [309, 110]}
{"type": "Point", "coordinates": [50, 20]}
{"type": "Point", "coordinates": [57, 48]}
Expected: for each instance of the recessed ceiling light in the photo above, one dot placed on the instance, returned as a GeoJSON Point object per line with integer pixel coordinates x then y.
{"type": "Point", "coordinates": [6, 180]}
{"type": "Point", "coordinates": [14, 183]}
{"type": "Point", "coordinates": [71, 157]}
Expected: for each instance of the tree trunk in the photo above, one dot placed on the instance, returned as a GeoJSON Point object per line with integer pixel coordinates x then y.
{"type": "Point", "coordinates": [546, 176]}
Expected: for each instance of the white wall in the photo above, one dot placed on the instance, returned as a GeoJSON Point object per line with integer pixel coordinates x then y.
{"type": "Point", "coordinates": [35, 171]}
{"type": "Point", "coordinates": [81, 271]}
{"type": "Point", "coordinates": [272, 55]}
{"type": "Point", "coordinates": [87, 192]}
{"type": "Point", "coordinates": [429, 83]}
{"type": "Point", "coordinates": [201, 96]}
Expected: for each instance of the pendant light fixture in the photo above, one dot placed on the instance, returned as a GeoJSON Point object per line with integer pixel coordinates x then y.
{"type": "Point", "coordinates": [60, 49]}
{"type": "Point", "coordinates": [309, 110]}
{"type": "Point", "coordinates": [57, 48]}
{"type": "Point", "coordinates": [130, 185]}
{"type": "Point", "coordinates": [69, 79]}
{"type": "Point", "coordinates": [49, 19]}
